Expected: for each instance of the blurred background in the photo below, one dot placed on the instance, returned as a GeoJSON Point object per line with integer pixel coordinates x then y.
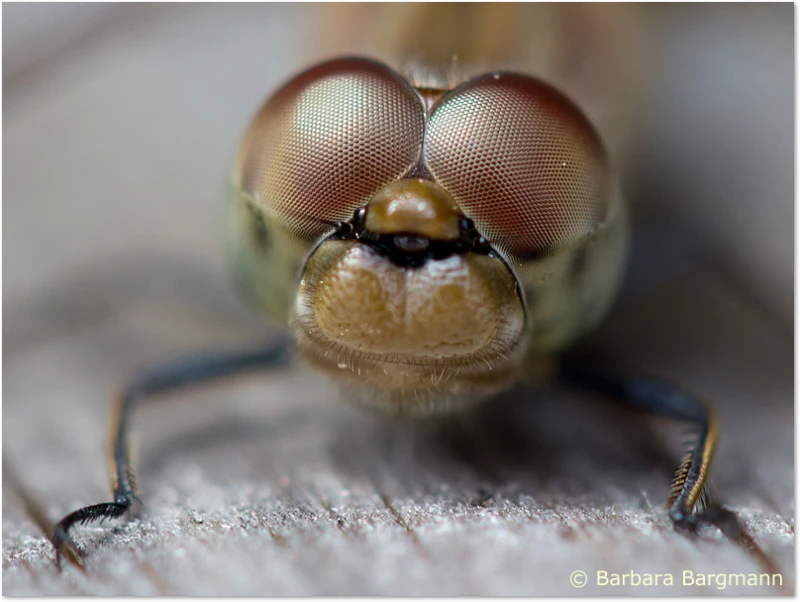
{"type": "Point", "coordinates": [120, 121]}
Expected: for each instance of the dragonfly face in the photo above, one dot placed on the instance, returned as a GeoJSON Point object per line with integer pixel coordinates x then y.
{"type": "Point", "coordinates": [420, 241]}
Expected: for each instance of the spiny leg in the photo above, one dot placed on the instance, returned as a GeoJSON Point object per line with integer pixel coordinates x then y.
{"type": "Point", "coordinates": [688, 504]}
{"type": "Point", "coordinates": [169, 376]}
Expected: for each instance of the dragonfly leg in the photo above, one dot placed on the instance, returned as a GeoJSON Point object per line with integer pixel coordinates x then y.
{"type": "Point", "coordinates": [689, 504]}
{"type": "Point", "coordinates": [162, 378]}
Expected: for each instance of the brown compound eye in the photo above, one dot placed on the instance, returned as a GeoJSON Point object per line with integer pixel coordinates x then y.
{"type": "Point", "coordinates": [327, 141]}
{"type": "Point", "coordinates": [521, 160]}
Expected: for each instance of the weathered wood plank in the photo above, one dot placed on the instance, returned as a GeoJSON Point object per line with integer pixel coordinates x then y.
{"type": "Point", "coordinates": [272, 486]}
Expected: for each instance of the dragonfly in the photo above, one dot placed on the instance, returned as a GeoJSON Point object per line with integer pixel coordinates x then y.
{"type": "Point", "coordinates": [427, 232]}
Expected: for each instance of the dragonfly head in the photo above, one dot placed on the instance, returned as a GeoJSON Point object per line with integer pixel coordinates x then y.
{"type": "Point", "coordinates": [409, 280]}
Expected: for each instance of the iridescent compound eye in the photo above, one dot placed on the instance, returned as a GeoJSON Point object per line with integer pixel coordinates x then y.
{"type": "Point", "coordinates": [328, 141]}
{"type": "Point", "coordinates": [521, 160]}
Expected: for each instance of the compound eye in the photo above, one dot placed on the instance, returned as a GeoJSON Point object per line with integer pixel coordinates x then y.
{"type": "Point", "coordinates": [521, 160]}
{"type": "Point", "coordinates": [327, 141]}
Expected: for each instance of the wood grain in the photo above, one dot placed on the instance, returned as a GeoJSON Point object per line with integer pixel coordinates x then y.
{"type": "Point", "coordinates": [272, 486]}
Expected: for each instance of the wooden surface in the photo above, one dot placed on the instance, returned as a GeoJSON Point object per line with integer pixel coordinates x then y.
{"type": "Point", "coordinates": [270, 485]}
